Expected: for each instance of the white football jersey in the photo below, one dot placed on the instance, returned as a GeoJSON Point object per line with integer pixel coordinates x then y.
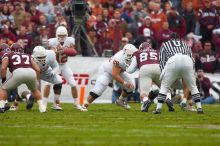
{"type": "Point", "coordinates": [54, 43]}
{"type": "Point", "coordinates": [118, 60]}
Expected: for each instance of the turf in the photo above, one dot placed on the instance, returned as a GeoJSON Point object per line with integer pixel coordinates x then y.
{"type": "Point", "coordinates": [110, 125]}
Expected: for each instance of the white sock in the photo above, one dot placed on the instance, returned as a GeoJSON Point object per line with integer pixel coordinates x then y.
{"type": "Point", "coordinates": [183, 100]}
{"type": "Point", "coordinates": [40, 102]}
{"type": "Point", "coordinates": [198, 105]}
{"type": "Point", "coordinates": [159, 105]}
{"type": "Point", "coordinates": [28, 96]}
{"type": "Point", "coordinates": [2, 103]}
{"type": "Point", "coordinates": [145, 99]}
{"type": "Point", "coordinates": [45, 99]}
{"type": "Point", "coordinates": [168, 96]}
{"type": "Point", "coordinates": [121, 98]}
{"type": "Point", "coordinates": [76, 101]}
{"type": "Point", "coordinates": [56, 97]}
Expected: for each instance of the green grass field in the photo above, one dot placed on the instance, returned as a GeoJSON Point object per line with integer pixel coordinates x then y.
{"type": "Point", "coordinates": [110, 125]}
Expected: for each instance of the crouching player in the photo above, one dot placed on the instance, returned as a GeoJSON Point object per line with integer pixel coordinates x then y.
{"type": "Point", "coordinates": [114, 69]}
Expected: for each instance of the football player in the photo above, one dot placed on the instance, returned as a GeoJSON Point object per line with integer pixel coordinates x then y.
{"type": "Point", "coordinates": [24, 71]}
{"type": "Point", "coordinates": [46, 60]}
{"type": "Point", "coordinates": [146, 59]}
{"type": "Point", "coordinates": [64, 46]}
{"type": "Point", "coordinates": [114, 69]}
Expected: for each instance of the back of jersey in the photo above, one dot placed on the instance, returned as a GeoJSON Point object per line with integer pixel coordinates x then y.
{"type": "Point", "coordinates": [18, 60]}
{"type": "Point", "coordinates": [146, 56]}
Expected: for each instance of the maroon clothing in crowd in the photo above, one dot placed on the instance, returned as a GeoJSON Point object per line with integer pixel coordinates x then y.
{"type": "Point", "coordinates": [162, 36]}
{"type": "Point", "coordinates": [27, 43]}
{"type": "Point", "coordinates": [205, 85]}
{"type": "Point", "coordinates": [208, 61]}
{"type": "Point", "coordinates": [104, 43]}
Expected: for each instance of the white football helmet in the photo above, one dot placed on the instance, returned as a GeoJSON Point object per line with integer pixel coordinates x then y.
{"type": "Point", "coordinates": [39, 54]}
{"type": "Point", "coordinates": [61, 33]}
{"type": "Point", "coordinates": [129, 50]}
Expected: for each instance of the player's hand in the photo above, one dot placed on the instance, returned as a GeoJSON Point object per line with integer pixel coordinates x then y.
{"type": "Point", "coordinates": [128, 85]}
{"type": "Point", "coordinates": [59, 49]}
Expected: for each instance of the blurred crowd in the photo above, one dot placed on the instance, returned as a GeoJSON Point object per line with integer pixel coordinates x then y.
{"type": "Point", "coordinates": [113, 23]}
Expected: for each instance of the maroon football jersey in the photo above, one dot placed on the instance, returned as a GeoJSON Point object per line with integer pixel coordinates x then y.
{"type": "Point", "coordinates": [147, 56]}
{"type": "Point", "coordinates": [18, 60]}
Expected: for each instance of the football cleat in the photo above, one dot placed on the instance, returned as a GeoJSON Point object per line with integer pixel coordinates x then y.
{"type": "Point", "coordinates": [2, 110]}
{"type": "Point", "coordinates": [157, 111]}
{"type": "Point", "coordinates": [123, 104]}
{"type": "Point", "coordinates": [13, 108]}
{"type": "Point", "coordinates": [190, 108]}
{"type": "Point", "coordinates": [57, 107]}
{"type": "Point", "coordinates": [30, 102]}
{"type": "Point", "coordinates": [42, 109]}
{"type": "Point", "coordinates": [81, 108]}
{"type": "Point", "coordinates": [183, 106]}
{"type": "Point", "coordinates": [170, 105]}
{"type": "Point", "coordinates": [7, 106]}
{"type": "Point", "coordinates": [145, 105]}
{"type": "Point", "coordinates": [200, 111]}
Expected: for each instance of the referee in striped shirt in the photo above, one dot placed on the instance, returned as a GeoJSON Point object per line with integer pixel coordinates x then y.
{"type": "Point", "coordinates": [176, 62]}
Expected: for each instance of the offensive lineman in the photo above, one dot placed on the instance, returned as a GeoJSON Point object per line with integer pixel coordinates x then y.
{"type": "Point", "coordinates": [114, 68]}
{"type": "Point", "coordinates": [176, 62]}
{"type": "Point", "coordinates": [147, 60]}
{"type": "Point", "coordinates": [64, 46]}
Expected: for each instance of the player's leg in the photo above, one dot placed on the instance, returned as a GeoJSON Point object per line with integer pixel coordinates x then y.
{"type": "Point", "coordinates": [101, 84]}
{"type": "Point", "coordinates": [147, 74]}
{"type": "Point", "coordinates": [30, 81]}
{"type": "Point", "coordinates": [122, 100]}
{"type": "Point", "coordinates": [189, 76]}
{"type": "Point", "coordinates": [169, 76]}
{"type": "Point", "coordinates": [3, 97]}
{"type": "Point", "coordinates": [46, 93]}
{"type": "Point", "coordinates": [68, 75]}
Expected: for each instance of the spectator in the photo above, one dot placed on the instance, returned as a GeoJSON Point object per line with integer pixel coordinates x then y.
{"type": "Point", "coordinates": [99, 26]}
{"type": "Point", "coordinates": [19, 15]}
{"type": "Point", "coordinates": [176, 22]}
{"type": "Point", "coordinates": [190, 18]}
{"type": "Point", "coordinates": [47, 8]}
{"type": "Point", "coordinates": [43, 37]}
{"type": "Point", "coordinates": [208, 20]}
{"type": "Point", "coordinates": [8, 15]}
{"type": "Point", "coordinates": [145, 37]}
{"type": "Point", "coordinates": [164, 34]}
{"type": "Point", "coordinates": [117, 28]}
{"type": "Point", "coordinates": [105, 16]}
{"type": "Point", "coordinates": [7, 35]}
{"type": "Point", "coordinates": [146, 24]}
{"type": "Point", "coordinates": [207, 60]}
{"type": "Point", "coordinates": [35, 14]}
{"type": "Point", "coordinates": [25, 40]}
{"type": "Point", "coordinates": [104, 44]}
{"type": "Point", "coordinates": [157, 16]}
{"type": "Point", "coordinates": [204, 85]}
{"type": "Point", "coordinates": [127, 11]}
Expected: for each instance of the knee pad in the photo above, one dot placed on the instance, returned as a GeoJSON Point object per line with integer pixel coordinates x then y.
{"type": "Point", "coordinates": [57, 88]}
{"type": "Point", "coordinates": [94, 95]}
{"type": "Point", "coordinates": [126, 91]}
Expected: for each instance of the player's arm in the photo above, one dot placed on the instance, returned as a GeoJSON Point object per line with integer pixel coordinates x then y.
{"type": "Point", "coordinates": [36, 68]}
{"type": "Point", "coordinates": [116, 70]}
{"type": "Point", "coordinates": [5, 63]}
{"type": "Point", "coordinates": [133, 66]}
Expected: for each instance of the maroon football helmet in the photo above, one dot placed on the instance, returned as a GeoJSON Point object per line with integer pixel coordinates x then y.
{"type": "Point", "coordinates": [145, 45]}
{"type": "Point", "coordinates": [17, 48]}
{"type": "Point", "coordinates": [4, 47]}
